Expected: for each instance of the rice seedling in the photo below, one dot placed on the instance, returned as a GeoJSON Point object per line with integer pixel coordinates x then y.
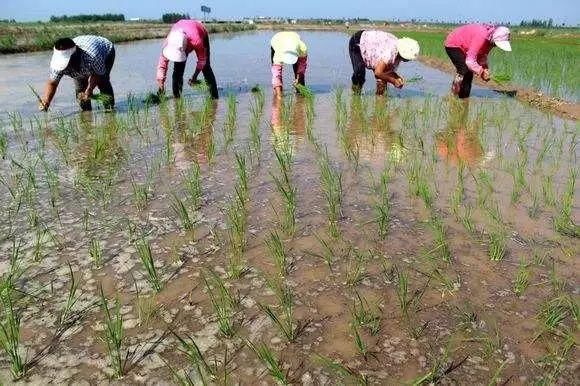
{"type": "Point", "coordinates": [356, 270]}
{"type": "Point", "coordinates": [287, 190]}
{"type": "Point", "coordinates": [359, 342]}
{"type": "Point", "coordinates": [224, 304]}
{"type": "Point", "coordinates": [278, 254]}
{"type": "Point", "coordinates": [336, 369]}
{"type": "Point", "coordinates": [271, 361]}
{"type": "Point", "coordinates": [332, 186]}
{"type": "Point", "coordinates": [242, 172]}
{"type": "Point", "coordinates": [518, 173]}
{"type": "Point", "coordinates": [146, 306]}
{"type": "Point", "coordinates": [555, 362]}
{"type": "Point", "coordinates": [114, 335]}
{"type": "Point", "coordinates": [327, 252]}
{"type": "Point", "coordinates": [441, 246]}
{"type": "Point", "coordinates": [237, 223]}
{"type": "Point", "coordinates": [383, 205]}
{"type": "Point", "coordinates": [140, 195]}
{"type": "Point", "coordinates": [71, 300]}
{"type": "Point", "coordinates": [548, 192]}
{"type": "Point", "coordinates": [289, 327]}
{"type": "Point", "coordinates": [256, 110]}
{"type": "Point", "coordinates": [193, 184]}
{"type": "Point", "coordinates": [365, 315]}
{"type": "Point", "coordinates": [146, 256]}
{"type": "Point", "coordinates": [555, 313]}
{"type": "Point", "coordinates": [484, 188]}
{"type": "Point", "coordinates": [563, 221]}
{"type": "Point", "coordinates": [181, 212]}
{"type": "Point", "coordinates": [497, 242]}
{"type": "Point", "coordinates": [522, 278]}
{"type": "Point", "coordinates": [206, 372]}
{"type": "Point", "coordinates": [231, 119]}
{"type": "Point", "coordinates": [535, 208]}
{"type": "Point", "coordinates": [403, 293]}
{"type": "Point", "coordinates": [10, 329]}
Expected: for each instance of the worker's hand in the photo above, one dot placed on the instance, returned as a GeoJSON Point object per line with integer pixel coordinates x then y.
{"type": "Point", "coordinates": [399, 83]}
{"type": "Point", "coordinates": [42, 105]}
{"type": "Point", "coordinates": [161, 86]}
{"type": "Point", "coordinates": [85, 96]}
{"type": "Point", "coordinates": [278, 93]}
{"type": "Point", "coordinates": [485, 75]}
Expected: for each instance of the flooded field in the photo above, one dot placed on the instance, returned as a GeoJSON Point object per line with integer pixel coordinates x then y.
{"type": "Point", "coordinates": [321, 239]}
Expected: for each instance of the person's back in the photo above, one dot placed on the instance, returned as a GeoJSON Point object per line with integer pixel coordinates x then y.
{"type": "Point", "coordinates": [466, 36]}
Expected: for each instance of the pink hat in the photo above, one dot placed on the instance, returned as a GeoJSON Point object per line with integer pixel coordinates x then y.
{"type": "Point", "coordinates": [501, 38]}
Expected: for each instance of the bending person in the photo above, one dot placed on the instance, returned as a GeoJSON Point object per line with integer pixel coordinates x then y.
{"type": "Point", "coordinates": [468, 47]}
{"type": "Point", "coordinates": [287, 48]}
{"type": "Point", "coordinates": [88, 59]}
{"type": "Point", "coordinates": [381, 52]}
{"type": "Point", "coordinates": [186, 36]}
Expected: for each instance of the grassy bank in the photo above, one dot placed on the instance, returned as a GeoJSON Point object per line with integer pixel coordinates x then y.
{"type": "Point", "coordinates": [26, 37]}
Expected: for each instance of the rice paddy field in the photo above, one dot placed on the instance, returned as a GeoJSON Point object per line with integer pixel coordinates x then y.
{"type": "Point", "coordinates": [320, 239]}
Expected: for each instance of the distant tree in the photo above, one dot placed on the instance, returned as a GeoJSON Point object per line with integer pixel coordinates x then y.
{"type": "Point", "coordinates": [174, 17]}
{"type": "Point", "coordinates": [538, 23]}
{"type": "Point", "coordinates": [87, 18]}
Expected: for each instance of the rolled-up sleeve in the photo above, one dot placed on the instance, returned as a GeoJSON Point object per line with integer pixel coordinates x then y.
{"type": "Point", "coordinates": [162, 65]}
{"type": "Point", "coordinates": [54, 75]}
{"type": "Point", "coordinates": [276, 75]}
{"type": "Point", "coordinates": [472, 55]}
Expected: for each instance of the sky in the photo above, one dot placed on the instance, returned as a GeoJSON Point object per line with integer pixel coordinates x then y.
{"type": "Point", "coordinates": [562, 11]}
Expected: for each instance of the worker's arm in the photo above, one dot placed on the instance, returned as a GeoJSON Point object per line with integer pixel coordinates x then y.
{"type": "Point", "coordinates": [49, 91]}
{"type": "Point", "coordinates": [162, 65]}
{"type": "Point", "coordinates": [473, 54]}
{"type": "Point", "coordinates": [201, 53]}
{"type": "Point", "coordinates": [384, 73]}
{"type": "Point", "coordinates": [92, 83]}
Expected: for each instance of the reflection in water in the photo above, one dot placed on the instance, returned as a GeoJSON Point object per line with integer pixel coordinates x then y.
{"type": "Point", "coordinates": [288, 121]}
{"type": "Point", "coordinates": [369, 134]}
{"type": "Point", "coordinates": [459, 143]}
{"type": "Point", "coordinates": [189, 135]}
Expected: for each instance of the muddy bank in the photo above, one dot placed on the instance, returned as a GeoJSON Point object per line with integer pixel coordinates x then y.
{"type": "Point", "coordinates": [532, 97]}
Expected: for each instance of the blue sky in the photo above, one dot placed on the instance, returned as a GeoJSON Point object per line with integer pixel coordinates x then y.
{"type": "Point", "coordinates": [567, 11]}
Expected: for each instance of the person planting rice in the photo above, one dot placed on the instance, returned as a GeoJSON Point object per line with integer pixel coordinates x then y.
{"type": "Point", "coordinates": [468, 47]}
{"type": "Point", "coordinates": [381, 52]}
{"type": "Point", "coordinates": [287, 48]}
{"type": "Point", "coordinates": [186, 36]}
{"type": "Point", "coordinates": [88, 59]}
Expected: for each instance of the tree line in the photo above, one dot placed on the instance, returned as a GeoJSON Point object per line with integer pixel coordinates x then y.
{"type": "Point", "coordinates": [87, 18]}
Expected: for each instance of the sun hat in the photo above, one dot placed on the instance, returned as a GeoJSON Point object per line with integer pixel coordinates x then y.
{"type": "Point", "coordinates": [60, 58]}
{"type": "Point", "coordinates": [408, 48]}
{"type": "Point", "coordinates": [174, 50]}
{"type": "Point", "coordinates": [501, 38]}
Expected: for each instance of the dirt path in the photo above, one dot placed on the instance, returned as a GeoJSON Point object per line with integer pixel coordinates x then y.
{"type": "Point", "coordinates": [537, 99]}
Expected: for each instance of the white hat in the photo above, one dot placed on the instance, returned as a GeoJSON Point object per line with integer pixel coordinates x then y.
{"type": "Point", "coordinates": [286, 57]}
{"type": "Point", "coordinates": [408, 48]}
{"type": "Point", "coordinates": [60, 58]}
{"type": "Point", "coordinates": [175, 48]}
{"type": "Point", "coordinates": [501, 38]}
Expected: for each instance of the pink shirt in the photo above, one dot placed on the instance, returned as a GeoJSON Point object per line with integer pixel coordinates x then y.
{"type": "Point", "coordinates": [475, 42]}
{"type": "Point", "coordinates": [196, 34]}
{"type": "Point", "coordinates": [379, 46]}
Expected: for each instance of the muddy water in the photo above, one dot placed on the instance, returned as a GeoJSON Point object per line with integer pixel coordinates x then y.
{"type": "Point", "coordinates": [239, 61]}
{"type": "Point", "coordinates": [71, 181]}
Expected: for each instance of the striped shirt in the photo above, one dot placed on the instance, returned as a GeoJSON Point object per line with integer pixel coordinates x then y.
{"type": "Point", "coordinates": [93, 52]}
{"type": "Point", "coordinates": [379, 46]}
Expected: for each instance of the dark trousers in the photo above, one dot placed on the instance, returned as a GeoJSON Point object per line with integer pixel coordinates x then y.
{"type": "Point", "coordinates": [104, 84]}
{"type": "Point", "coordinates": [302, 79]}
{"type": "Point", "coordinates": [358, 64]}
{"type": "Point", "coordinates": [208, 75]}
{"type": "Point", "coordinates": [458, 59]}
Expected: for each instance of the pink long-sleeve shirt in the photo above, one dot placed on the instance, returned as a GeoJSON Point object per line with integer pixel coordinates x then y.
{"type": "Point", "coordinates": [196, 34]}
{"type": "Point", "coordinates": [475, 41]}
